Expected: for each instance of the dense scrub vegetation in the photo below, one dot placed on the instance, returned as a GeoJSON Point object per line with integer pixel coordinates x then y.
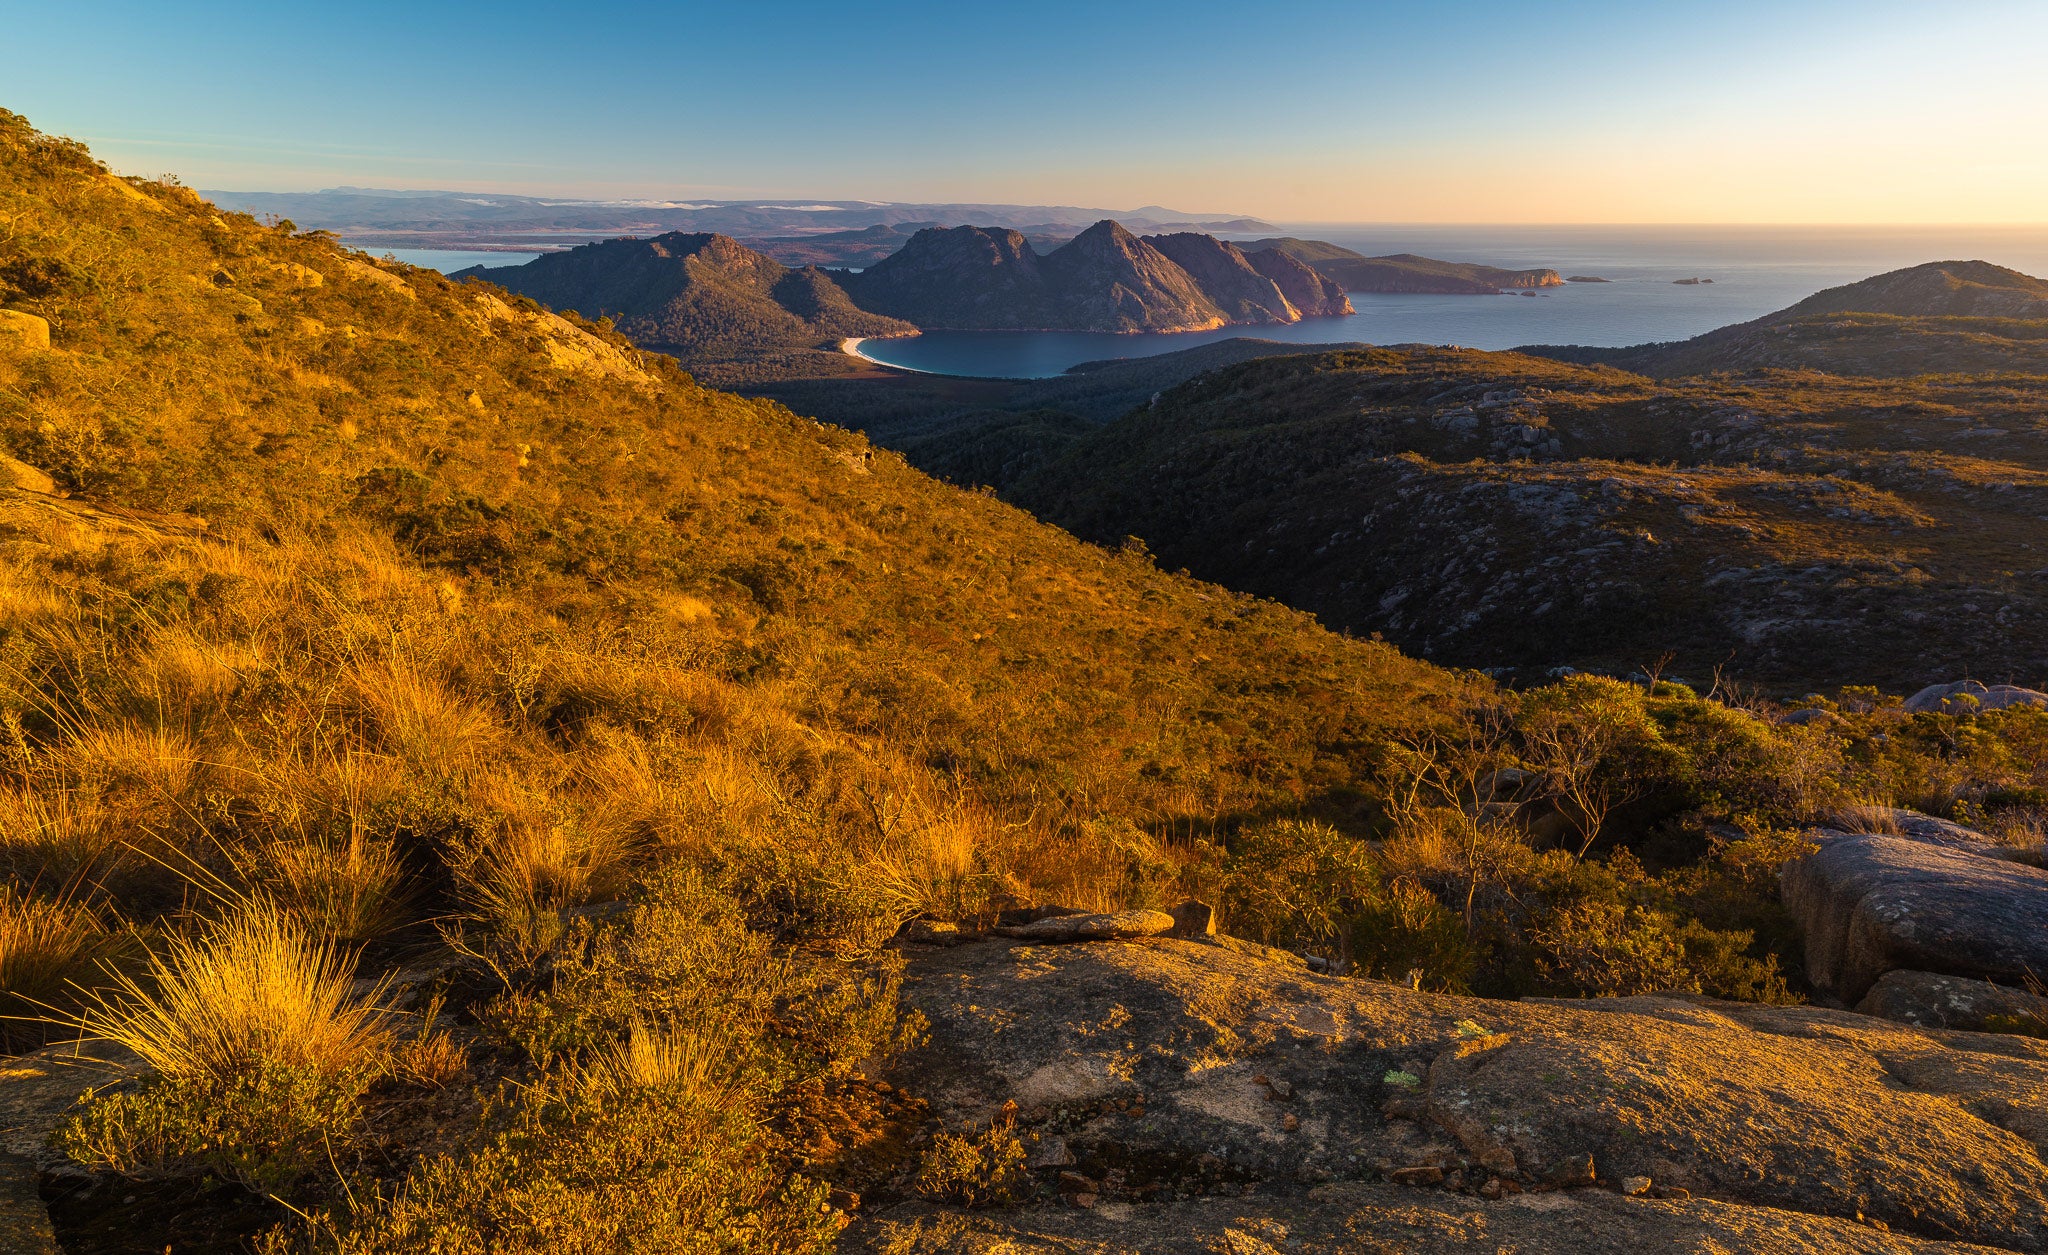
{"type": "Point", "coordinates": [1496, 509]}
{"type": "Point", "coordinates": [480, 770]}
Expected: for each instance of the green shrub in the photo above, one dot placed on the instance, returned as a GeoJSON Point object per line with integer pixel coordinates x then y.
{"type": "Point", "coordinates": [1292, 882]}
{"type": "Point", "coordinates": [266, 1129]}
{"type": "Point", "coordinates": [652, 1170]}
{"type": "Point", "coordinates": [1596, 948]}
{"type": "Point", "coordinates": [1406, 935]}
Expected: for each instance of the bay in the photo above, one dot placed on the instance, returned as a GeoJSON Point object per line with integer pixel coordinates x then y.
{"type": "Point", "coordinates": [1754, 271]}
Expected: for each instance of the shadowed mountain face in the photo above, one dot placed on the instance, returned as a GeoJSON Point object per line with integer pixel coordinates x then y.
{"type": "Point", "coordinates": [1311, 293]}
{"type": "Point", "coordinates": [693, 294]}
{"type": "Point", "coordinates": [1948, 316]}
{"type": "Point", "coordinates": [1243, 294]}
{"type": "Point", "coordinates": [1401, 272]}
{"type": "Point", "coordinates": [1105, 279]}
{"type": "Point", "coordinates": [957, 277]}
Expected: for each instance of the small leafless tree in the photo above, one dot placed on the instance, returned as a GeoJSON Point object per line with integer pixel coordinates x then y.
{"type": "Point", "coordinates": [1577, 747]}
{"type": "Point", "coordinates": [1461, 792]}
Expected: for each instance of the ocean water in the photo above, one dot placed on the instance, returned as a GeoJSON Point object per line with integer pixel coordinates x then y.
{"type": "Point", "coordinates": [1755, 270]}
{"type": "Point", "coordinates": [450, 260]}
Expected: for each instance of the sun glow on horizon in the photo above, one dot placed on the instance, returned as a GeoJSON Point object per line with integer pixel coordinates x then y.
{"type": "Point", "coordinates": [1477, 112]}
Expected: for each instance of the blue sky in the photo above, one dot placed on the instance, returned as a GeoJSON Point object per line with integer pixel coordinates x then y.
{"type": "Point", "coordinates": [1302, 111]}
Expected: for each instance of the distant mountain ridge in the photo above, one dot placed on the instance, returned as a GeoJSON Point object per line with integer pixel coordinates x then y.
{"type": "Point", "coordinates": [704, 295]}
{"type": "Point", "coordinates": [1945, 316]}
{"type": "Point", "coordinates": [1403, 272]}
{"type": "Point", "coordinates": [694, 294]}
{"type": "Point", "coordinates": [1104, 279]}
{"type": "Point", "coordinates": [382, 218]}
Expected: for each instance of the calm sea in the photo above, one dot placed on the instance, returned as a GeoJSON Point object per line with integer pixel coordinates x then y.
{"type": "Point", "coordinates": [1754, 270]}
{"type": "Point", "coordinates": [450, 260]}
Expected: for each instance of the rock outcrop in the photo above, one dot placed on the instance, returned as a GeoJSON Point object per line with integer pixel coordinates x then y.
{"type": "Point", "coordinates": [20, 475]}
{"type": "Point", "coordinates": [1119, 926]}
{"type": "Point", "coordinates": [1870, 903]}
{"type": "Point", "coordinates": [1189, 1096]}
{"type": "Point", "coordinates": [1935, 1001]}
{"type": "Point", "coordinates": [24, 330]}
{"type": "Point", "coordinates": [1308, 290]}
{"type": "Point", "coordinates": [1965, 696]}
{"type": "Point", "coordinates": [1227, 277]}
{"type": "Point", "coordinates": [1898, 821]}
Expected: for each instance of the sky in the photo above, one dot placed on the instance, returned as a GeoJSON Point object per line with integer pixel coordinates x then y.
{"type": "Point", "coordinates": [1538, 111]}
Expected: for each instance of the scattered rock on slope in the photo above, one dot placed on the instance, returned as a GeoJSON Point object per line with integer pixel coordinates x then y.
{"type": "Point", "coordinates": [1950, 1002]}
{"type": "Point", "coordinates": [24, 329]}
{"type": "Point", "coordinates": [1972, 695]}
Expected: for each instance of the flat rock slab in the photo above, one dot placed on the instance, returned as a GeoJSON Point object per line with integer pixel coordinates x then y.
{"type": "Point", "coordinates": [1362, 1219]}
{"type": "Point", "coordinates": [1170, 1067]}
{"type": "Point", "coordinates": [1123, 925]}
{"type": "Point", "coordinates": [24, 1221]}
{"type": "Point", "coordinates": [36, 1090]}
{"type": "Point", "coordinates": [1937, 1001]}
{"type": "Point", "coordinates": [1871, 903]}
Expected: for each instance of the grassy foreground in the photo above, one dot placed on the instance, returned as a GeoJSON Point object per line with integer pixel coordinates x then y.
{"type": "Point", "coordinates": [479, 770]}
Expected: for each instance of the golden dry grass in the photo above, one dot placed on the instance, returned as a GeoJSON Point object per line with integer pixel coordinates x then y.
{"type": "Point", "coordinates": [250, 992]}
{"type": "Point", "coordinates": [49, 949]}
{"type": "Point", "coordinates": [696, 1060]}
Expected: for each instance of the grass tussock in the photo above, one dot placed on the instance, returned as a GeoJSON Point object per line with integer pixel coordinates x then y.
{"type": "Point", "coordinates": [252, 991]}
{"type": "Point", "coordinates": [50, 949]}
{"type": "Point", "coordinates": [261, 1052]}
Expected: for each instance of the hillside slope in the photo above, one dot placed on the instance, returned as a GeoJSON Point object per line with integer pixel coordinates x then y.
{"type": "Point", "coordinates": [699, 295]}
{"type": "Point", "coordinates": [1939, 318]}
{"type": "Point", "coordinates": [271, 383]}
{"type": "Point", "coordinates": [1502, 510]}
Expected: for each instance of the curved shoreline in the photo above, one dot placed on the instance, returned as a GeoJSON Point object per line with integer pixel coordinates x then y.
{"type": "Point", "coordinates": [851, 347]}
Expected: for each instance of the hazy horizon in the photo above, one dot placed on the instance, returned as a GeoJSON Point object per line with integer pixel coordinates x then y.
{"type": "Point", "coordinates": [1204, 212]}
{"type": "Point", "coordinates": [1825, 112]}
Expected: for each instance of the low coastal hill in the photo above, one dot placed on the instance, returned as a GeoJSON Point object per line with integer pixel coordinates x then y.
{"type": "Point", "coordinates": [1942, 317]}
{"type": "Point", "coordinates": [694, 295]}
{"type": "Point", "coordinates": [1403, 272]}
